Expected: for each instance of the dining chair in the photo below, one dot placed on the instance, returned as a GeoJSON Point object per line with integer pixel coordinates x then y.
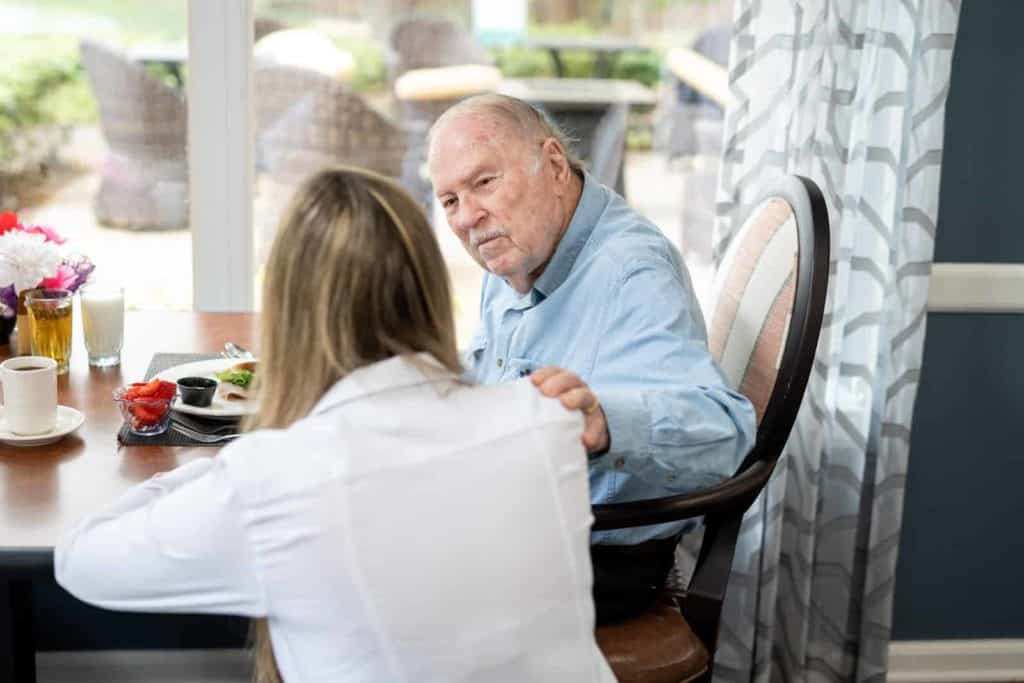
{"type": "Point", "coordinates": [767, 314]}
{"type": "Point", "coordinates": [144, 180]}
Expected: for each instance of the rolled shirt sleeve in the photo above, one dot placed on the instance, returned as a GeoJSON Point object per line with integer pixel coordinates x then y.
{"type": "Point", "coordinates": [673, 421]}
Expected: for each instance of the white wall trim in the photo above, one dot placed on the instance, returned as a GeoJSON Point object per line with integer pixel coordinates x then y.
{"type": "Point", "coordinates": [976, 288]}
{"type": "Point", "coordinates": [956, 661]}
{"type": "Point", "coordinates": [220, 154]}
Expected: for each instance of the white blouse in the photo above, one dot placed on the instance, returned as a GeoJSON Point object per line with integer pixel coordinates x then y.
{"type": "Point", "coordinates": [411, 528]}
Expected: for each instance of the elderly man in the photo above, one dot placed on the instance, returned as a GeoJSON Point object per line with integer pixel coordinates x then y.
{"type": "Point", "coordinates": [588, 297]}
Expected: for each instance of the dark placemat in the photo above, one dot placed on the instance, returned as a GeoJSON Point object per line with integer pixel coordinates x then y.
{"type": "Point", "coordinates": [172, 437]}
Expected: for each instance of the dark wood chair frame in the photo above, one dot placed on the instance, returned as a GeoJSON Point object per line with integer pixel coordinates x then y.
{"type": "Point", "coordinates": [724, 504]}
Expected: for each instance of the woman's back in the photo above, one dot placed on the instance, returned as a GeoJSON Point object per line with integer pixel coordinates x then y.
{"type": "Point", "coordinates": [411, 528]}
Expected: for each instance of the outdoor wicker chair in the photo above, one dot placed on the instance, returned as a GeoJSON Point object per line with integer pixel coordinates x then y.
{"type": "Point", "coordinates": [421, 42]}
{"type": "Point", "coordinates": [307, 121]}
{"type": "Point", "coordinates": [144, 180]}
{"type": "Point", "coordinates": [424, 42]}
{"type": "Point", "coordinates": [262, 26]}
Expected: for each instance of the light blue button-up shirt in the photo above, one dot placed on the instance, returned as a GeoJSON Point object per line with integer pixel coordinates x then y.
{"type": "Point", "coordinates": [615, 306]}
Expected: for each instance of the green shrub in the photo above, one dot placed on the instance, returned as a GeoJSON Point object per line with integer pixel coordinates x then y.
{"type": "Point", "coordinates": [638, 66]}
{"type": "Point", "coordinates": [578, 63]}
{"type": "Point", "coordinates": [371, 70]}
{"type": "Point", "coordinates": [41, 84]}
{"type": "Point", "coordinates": [520, 62]}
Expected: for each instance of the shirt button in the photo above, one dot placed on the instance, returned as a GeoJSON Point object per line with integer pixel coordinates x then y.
{"type": "Point", "coordinates": [500, 362]}
{"type": "Point", "coordinates": [671, 477]}
{"type": "Point", "coordinates": [620, 463]}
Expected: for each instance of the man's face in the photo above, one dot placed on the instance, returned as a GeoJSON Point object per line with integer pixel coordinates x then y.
{"type": "Point", "coordinates": [500, 196]}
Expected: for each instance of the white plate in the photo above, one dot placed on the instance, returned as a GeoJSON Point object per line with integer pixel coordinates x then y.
{"type": "Point", "coordinates": [68, 420]}
{"type": "Point", "coordinates": [208, 368]}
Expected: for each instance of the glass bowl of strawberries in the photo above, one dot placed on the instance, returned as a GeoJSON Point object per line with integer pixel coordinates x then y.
{"type": "Point", "coordinates": [146, 406]}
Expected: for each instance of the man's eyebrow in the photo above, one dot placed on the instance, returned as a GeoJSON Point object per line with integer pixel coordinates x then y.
{"type": "Point", "coordinates": [473, 172]}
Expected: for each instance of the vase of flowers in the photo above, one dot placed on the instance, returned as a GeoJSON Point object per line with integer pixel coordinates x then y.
{"type": "Point", "coordinates": [32, 257]}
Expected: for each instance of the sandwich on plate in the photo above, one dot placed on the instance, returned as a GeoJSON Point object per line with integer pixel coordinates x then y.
{"type": "Point", "coordinates": [236, 382]}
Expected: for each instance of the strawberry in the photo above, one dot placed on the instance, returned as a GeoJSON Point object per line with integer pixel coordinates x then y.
{"type": "Point", "coordinates": [166, 390]}
{"type": "Point", "coordinates": [148, 415]}
{"type": "Point", "coordinates": [149, 389]}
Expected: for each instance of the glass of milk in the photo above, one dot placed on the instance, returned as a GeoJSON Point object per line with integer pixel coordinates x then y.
{"type": "Point", "coordinates": [103, 323]}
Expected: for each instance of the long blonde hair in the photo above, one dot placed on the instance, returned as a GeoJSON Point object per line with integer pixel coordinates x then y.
{"type": "Point", "coordinates": [354, 276]}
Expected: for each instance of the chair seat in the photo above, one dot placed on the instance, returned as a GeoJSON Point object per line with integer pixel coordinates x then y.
{"type": "Point", "coordinates": [657, 646]}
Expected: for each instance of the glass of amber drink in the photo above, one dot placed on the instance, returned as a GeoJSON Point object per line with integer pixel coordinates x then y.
{"type": "Point", "coordinates": [50, 313]}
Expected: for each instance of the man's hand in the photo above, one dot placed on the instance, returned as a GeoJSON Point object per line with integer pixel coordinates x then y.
{"type": "Point", "coordinates": [574, 394]}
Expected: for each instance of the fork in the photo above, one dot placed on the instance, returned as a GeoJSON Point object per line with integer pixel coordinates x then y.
{"type": "Point", "coordinates": [203, 437]}
{"type": "Point", "coordinates": [232, 350]}
{"type": "Point", "coordinates": [188, 423]}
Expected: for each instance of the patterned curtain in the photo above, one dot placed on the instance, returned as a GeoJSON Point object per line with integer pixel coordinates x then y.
{"type": "Point", "coordinates": [850, 93]}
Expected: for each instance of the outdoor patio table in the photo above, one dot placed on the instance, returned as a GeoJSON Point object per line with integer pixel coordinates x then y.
{"type": "Point", "coordinates": [46, 489]}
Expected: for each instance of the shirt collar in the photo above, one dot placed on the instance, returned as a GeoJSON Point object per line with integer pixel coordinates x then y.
{"type": "Point", "coordinates": [394, 373]}
{"type": "Point", "coordinates": [584, 218]}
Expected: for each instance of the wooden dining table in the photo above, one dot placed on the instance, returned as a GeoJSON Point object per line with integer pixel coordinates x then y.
{"type": "Point", "coordinates": [44, 490]}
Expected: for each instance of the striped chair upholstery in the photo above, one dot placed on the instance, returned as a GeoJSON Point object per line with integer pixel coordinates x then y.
{"type": "Point", "coordinates": [753, 301]}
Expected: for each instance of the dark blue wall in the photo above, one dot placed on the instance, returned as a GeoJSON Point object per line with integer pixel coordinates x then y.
{"type": "Point", "coordinates": [981, 212]}
{"type": "Point", "coordinates": [961, 562]}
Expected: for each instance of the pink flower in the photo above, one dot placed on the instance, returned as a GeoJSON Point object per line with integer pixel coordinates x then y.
{"type": "Point", "coordinates": [49, 233]}
{"type": "Point", "coordinates": [66, 278]}
{"type": "Point", "coordinates": [9, 221]}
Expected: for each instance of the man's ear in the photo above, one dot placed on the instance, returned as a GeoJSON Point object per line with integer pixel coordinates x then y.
{"type": "Point", "coordinates": [557, 159]}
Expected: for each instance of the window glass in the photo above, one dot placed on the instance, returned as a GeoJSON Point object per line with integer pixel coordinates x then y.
{"type": "Point", "coordinates": [93, 134]}
{"type": "Point", "coordinates": [667, 167]}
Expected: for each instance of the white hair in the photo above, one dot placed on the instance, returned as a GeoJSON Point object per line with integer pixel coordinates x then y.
{"type": "Point", "coordinates": [526, 122]}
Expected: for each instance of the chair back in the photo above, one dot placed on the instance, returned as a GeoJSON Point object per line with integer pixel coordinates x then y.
{"type": "Point", "coordinates": [428, 42]}
{"type": "Point", "coordinates": [264, 26]}
{"type": "Point", "coordinates": [142, 118]}
{"type": "Point", "coordinates": [769, 298]}
{"type": "Point", "coordinates": [307, 121]}
{"type": "Point", "coordinates": [609, 145]}
{"type": "Point", "coordinates": [304, 49]}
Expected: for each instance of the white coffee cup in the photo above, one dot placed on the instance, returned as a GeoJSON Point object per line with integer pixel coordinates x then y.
{"type": "Point", "coordinates": [30, 394]}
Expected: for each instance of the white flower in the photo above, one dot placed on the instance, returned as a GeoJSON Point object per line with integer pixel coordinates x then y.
{"type": "Point", "coordinates": [26, 259]}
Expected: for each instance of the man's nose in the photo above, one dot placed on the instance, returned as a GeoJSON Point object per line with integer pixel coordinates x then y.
{"type": "Point", "coordinates": [468, 216]}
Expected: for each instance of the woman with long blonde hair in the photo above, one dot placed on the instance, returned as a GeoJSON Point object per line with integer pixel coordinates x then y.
{"type": "Point", "coordinates": [382, 520]}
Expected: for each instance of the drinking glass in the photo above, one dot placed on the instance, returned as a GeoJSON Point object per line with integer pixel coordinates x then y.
{"type": "Point", "coordinates": [50, 314]}
{"type": "Point", "coordinates": [103, 323]}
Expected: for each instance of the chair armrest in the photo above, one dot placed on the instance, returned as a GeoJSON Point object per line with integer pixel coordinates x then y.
{"type": "Point", "coordinates": [446, 82]}
{"type": "Point", "coordinates": [700, 73]}
{"type": "Point", "coordinates": [738, 491]}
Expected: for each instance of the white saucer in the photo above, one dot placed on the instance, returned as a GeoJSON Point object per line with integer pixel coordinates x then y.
{"type": "Point", "coordinates": [68, 420]}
